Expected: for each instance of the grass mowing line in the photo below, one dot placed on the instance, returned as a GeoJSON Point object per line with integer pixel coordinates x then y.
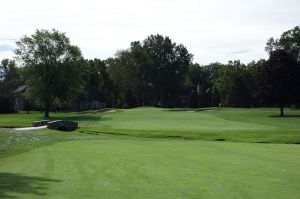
{"type": "Point", "coordinates": [15, 142]}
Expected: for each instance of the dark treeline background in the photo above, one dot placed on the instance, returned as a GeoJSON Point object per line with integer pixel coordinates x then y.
{"type": "Point", "coordinates": [160, 72]}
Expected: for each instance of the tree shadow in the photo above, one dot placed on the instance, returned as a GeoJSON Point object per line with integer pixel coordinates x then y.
{"type": "Point", "coordinates": [11, 183]}
{"type": "Point", "coordinates": [81, 118]}
{"type": "Point", "coordinates": [96, 111]}
{"type": "Point", "coordinates": [181, 109]}
{"type": "Point", "coordinates": [285, 116]}
{"type": "Point", "coordinates": [194, 109]}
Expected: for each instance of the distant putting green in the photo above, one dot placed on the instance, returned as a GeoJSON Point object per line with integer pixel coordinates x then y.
{"type": "Point", "coordinates": [154, 153]}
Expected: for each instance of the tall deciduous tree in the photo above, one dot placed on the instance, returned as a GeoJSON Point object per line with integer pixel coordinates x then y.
{"type": "Point", "coordinates": [52, 66]}
{"type": "Point", "coordinates": [9, 80]}
{"type": "Point", "coordinates": [281, 79]}
{"type": "Point", "coordinates": [288, 41]}
{"type": "Point", "coordinates": [169, 65]}
{"type": "Point", "coordinates": [230, 83]}
{"type": "Point", "coordinates": [9, 77]}
{"type": "Point", "coordinates": [98, 79]}
{"type": "Point", "coordinates": [203, 78]}
{"type": "Point", "coordinates": [149, 72]}
{"type": "Point", "coordinates": [97, 85]}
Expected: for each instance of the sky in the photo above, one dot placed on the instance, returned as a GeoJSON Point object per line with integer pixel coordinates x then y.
{"type": "Point", "coordinates": [212, 30]}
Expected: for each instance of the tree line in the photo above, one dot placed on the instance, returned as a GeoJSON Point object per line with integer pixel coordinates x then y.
{"type": "Point", "coordinates": [152, 72]}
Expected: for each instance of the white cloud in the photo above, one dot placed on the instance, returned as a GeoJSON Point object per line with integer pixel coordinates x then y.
{"type": "Point", "coordinates": [211, 30]}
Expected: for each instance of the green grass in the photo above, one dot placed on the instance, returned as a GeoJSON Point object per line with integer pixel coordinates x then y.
{"type": "Point", "coordinates": [23, 119]}
{"type": "Point", "coordinates": [242, 125]}
{"type": "Point", "coordinates": [153, 153]}
{"type": "Point", "coordinates": [153, 169]}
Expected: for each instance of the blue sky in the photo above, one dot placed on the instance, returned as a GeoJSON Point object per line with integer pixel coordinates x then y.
{"type": "Point", "coordinates": [214, 30]}
{"type": "Point", "coordinates": [4, 48]}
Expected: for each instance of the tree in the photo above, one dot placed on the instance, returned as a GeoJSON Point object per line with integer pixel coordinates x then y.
{"type": "Point", "coordinates": [281, 79]}
{"type": "Point", "coordinates": [288, 41]}
{"type": "Point", "coordinates": [124, 74]}
{"type": "Point", "coordinates": [149, 72]}
{"type": "Point", "coordinates": [253, 81]}
{"type": "Point", "coordinates": [236, 84]}
{"type": "Point", "coordinates": [144, 74]}
{"type": "Point", "coordinates": [169, 65]}
{"type": "Point", "coordinates": [9, 77]}
{"type": "Point", "coordinates": [9, 81]}
{"type": "Point", "coordinates": [205, 76]}
{"type": "Point", "coordinates": [97, 84]}
{"type": "Point", "coordinates": [52, 67]}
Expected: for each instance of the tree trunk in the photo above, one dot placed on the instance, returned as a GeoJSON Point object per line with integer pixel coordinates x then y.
{"type": "Point", "coordinates": [46, 113]}
{"type": "Point", "coordinates": [281, 111]}
{"type": "Point", "coordinates": [161, 98]}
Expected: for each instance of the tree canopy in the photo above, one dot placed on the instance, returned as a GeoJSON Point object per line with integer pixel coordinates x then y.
{"type": "Point", "coordinates": [153, 72]}
{"type": "Point", "coordinates": [52, 66]}
{"type": "Point", "coordinates": [280, 76]}
{"type": "Point", "coordinates": [288, 41]}
{"type": "Point", "coordinates": [9, 81]}
{"type": "Point", "coordinates": [150, 72]}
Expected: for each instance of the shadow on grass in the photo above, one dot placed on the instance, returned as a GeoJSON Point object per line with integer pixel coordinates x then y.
{"type": "Point", "coordinates": [285, 116]}
{"type": "Point", "coordinates": [81, 118]}
{"type": "Point", "coordinates": [11, 184]}
{"type": "Point", "coordinates": [194, 109]}
{"type": "Point", "coordinates": [96, 111]}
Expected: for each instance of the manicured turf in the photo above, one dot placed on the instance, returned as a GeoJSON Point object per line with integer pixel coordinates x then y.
{"type": "Point", "coordinates": [242, 125]}
{"type": "Point", "coordinates": [140, 153]}
{"type": "Point", "coordinates": [153, 169]}
{"type": "Point", "coordinates": [247, 125]}
{"type": "Point", "coordinates": [23, 119]}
